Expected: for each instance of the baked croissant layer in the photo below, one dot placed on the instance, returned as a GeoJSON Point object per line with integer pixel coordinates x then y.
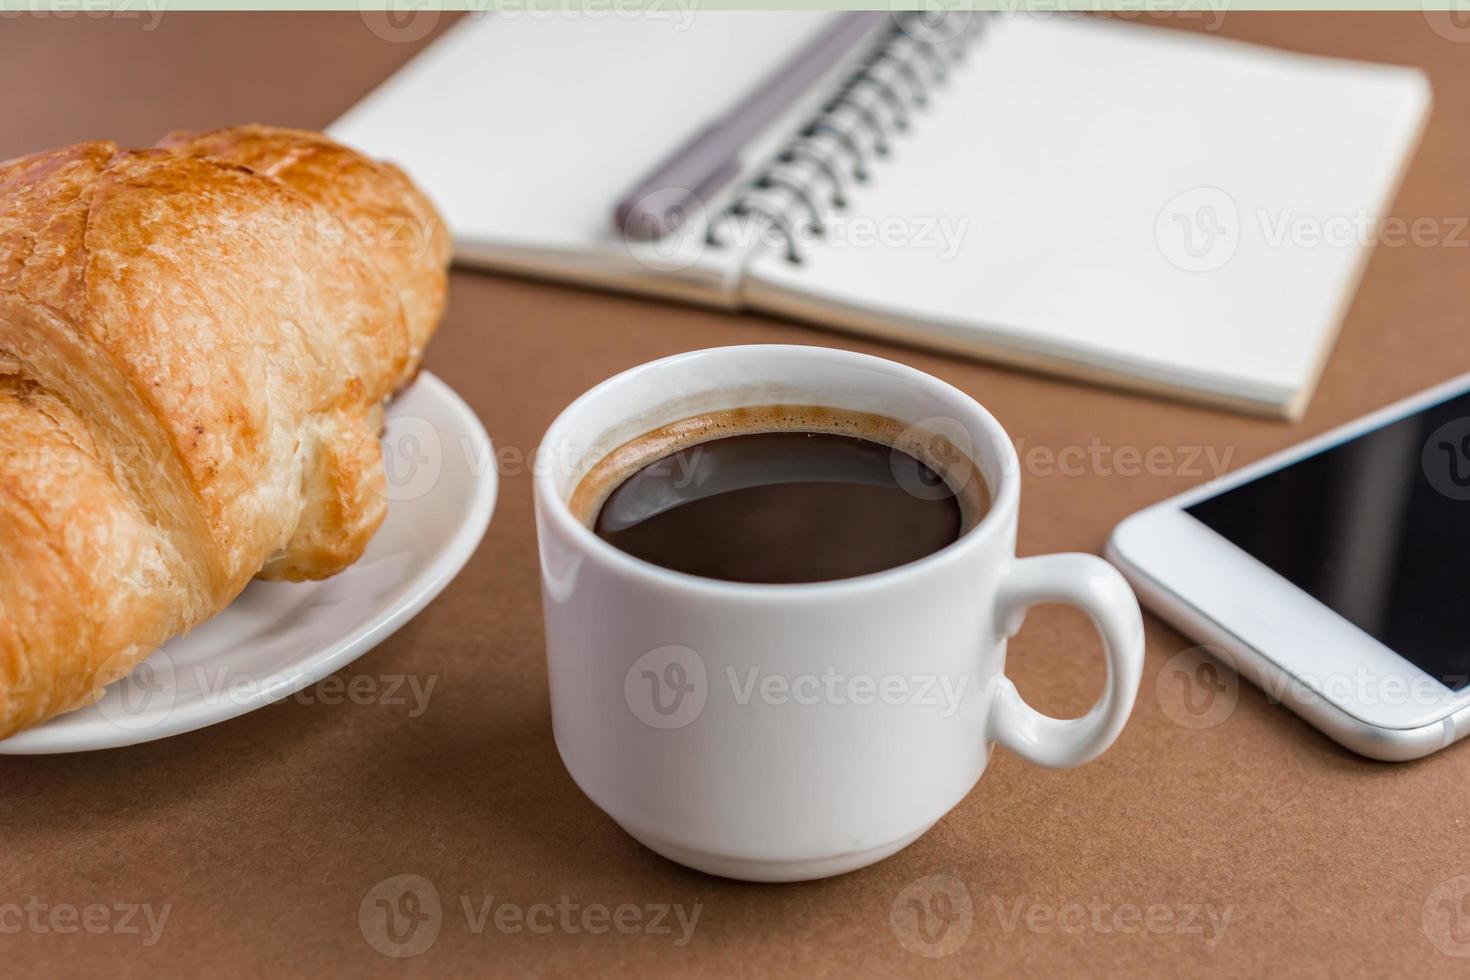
{"type": "Point", "coordinates": [196, 342]}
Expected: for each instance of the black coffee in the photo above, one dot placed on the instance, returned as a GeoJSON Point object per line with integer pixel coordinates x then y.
{"type": "Point", "coordinates": [778, 506]}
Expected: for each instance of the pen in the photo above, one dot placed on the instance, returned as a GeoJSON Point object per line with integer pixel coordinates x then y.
{"type": "Point", "coordinates": [660, 202]}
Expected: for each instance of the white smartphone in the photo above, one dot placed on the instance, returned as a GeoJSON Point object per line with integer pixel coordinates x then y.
{"type": "Point", "coordinates": [1334, 575]}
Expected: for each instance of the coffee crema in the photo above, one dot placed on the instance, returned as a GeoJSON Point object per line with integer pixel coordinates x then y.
{"type": "Point", "coordinates": [782, 494]}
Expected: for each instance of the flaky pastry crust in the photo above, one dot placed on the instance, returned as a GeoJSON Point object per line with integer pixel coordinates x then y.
{"type": "Point", "coordinates": [196, 341]}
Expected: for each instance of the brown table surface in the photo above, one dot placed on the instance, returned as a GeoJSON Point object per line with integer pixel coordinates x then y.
{"type": "Point", "coordinates": [264, 835]}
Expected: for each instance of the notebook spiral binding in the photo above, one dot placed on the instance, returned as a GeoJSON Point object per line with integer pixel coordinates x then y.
{"type": "Point", "coordinates": [833, 152]}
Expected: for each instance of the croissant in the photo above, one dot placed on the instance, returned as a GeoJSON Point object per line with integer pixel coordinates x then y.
{"type": "Point", "coordinates": [196, 342]}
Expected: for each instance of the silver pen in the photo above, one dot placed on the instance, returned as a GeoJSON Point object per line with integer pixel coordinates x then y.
{"type": "Point", "coordinates": [707, 161]}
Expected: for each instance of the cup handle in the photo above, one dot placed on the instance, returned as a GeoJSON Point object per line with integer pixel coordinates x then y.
{"type": "Point", "coordinates": [1096, 587]}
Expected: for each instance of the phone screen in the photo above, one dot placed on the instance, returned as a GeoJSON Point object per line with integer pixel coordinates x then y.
{"type": "Point", "coordinates": [1376, 528]}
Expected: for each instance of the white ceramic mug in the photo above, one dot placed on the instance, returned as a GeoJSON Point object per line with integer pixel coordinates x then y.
{"type": "Point", "coordinates": [785, 732]}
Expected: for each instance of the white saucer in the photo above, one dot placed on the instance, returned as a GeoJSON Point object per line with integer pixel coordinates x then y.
{"type": "Point", "coordinates": [278, 638]}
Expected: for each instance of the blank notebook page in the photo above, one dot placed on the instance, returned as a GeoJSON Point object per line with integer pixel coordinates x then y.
{"type": "Point", "coordinates": [526, 130]}
{"type": "Point", "coordinates": [1072, 151]}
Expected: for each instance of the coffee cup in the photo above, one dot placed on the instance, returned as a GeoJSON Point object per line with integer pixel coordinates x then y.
{"type": "Point", "coordinates": [795, 731]}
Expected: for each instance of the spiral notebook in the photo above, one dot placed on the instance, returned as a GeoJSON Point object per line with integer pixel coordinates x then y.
{"type": "Point", "coordinates": [1151, 207]}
